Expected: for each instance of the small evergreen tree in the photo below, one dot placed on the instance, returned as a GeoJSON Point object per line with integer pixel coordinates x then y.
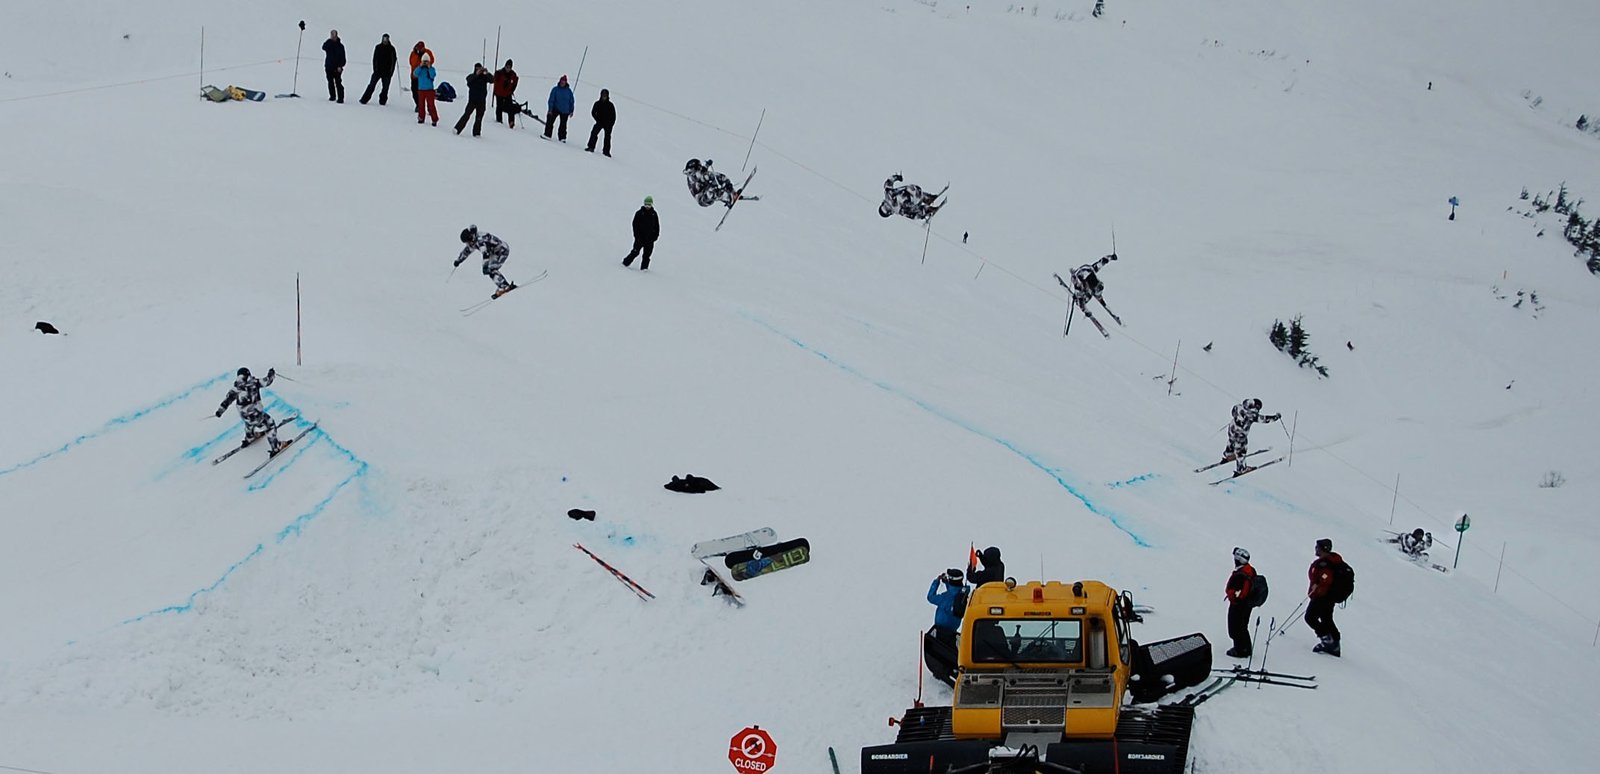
{"type": "Point", "coordinates": [1279, 335]}
{"type": "Point", "coordinates": [1562, 206]}
{"type": "Point", "coordinates": [1524, 195]}
{"type": "Point", "coordinates": [1583, 123]}
{"type": "Point", "coordinates": [1100, 7]}
{"type": "Point", "coordinates": [1298, 338]}
{"type": "Point", "coordinates": [1576, 230]}
{"type": "Point", "coordinates": [1541, 203]}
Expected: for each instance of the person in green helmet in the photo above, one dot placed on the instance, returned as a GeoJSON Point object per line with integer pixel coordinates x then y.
{"type": "Point", "coordinates": [646, 229]}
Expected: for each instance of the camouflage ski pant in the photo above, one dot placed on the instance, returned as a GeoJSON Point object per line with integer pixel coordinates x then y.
{"type": "Point", "coordinates": [491, 267]}
{"type": "Point", "coordinates": [258, 423]}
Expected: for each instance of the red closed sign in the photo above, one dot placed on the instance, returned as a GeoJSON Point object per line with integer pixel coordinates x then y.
{"type": "Point", "coordinates": [752, 750]}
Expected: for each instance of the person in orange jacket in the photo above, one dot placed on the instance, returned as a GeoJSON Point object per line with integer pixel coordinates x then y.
{"type": "Point", "coordinates": [417, 52]}
{"type": "Point", "coordinates": [505, 90]}
{"type": "Point", "coordinates": [1323, 596]}
{"type": "Point", "coordinates": [1240, 602]}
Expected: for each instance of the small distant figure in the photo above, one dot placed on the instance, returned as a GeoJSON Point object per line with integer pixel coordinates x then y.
{"type": "Point", "coordinates": [604, 114]}
{"type": "Point", "coordinates": [505, 89]}
{"type": "Point", "coordinates": [44, 327]}
{"type": "Point", "coordinates": [495, 252]}
{"type": "Point", "coordinates": [1245, 414]}
{"type": "Point", "coordinates": [383, 59]}
{"type": "Point", "coordinates": [477, 99]}
{"type": "Point", "coordinates": [418, 51]}
{"type": "Point", "coordinates": [333, 62]}
{"type": "Point", "coordinates": [1207, 347]}
{"type": "Point", "coordinates": [1416, 543]}
{"type": "Point", "coordinates": [1349, 346]}
{"type": "Point", "coordinates": [908, 200]}
{"type": "Point", "coordinates": [964, 234]}
{"type": "Point", "coordinates": [560, 105]}
{"type": "Point", "coordinates": [1453, 203]}
{"type": "Point", "coordinates": [1085, 285]}
{"type": "Point", "coordinates": [1430, 85]}
{"type": "Point", "coordinates": [646, 230]}
{"type": "Point", "coordinates": [422, 79]}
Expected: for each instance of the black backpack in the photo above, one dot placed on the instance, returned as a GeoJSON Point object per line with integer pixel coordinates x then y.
{"type": "Point", "coordinates": [1258, 590]}
{"type": "Point", "coordinates": [1344, 582]}
{"type": "Point", "coordinates": [959, 607]}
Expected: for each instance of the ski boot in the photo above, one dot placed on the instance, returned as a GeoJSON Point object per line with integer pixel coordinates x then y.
{"type": "Point", "coordinates": [507, 289]}
{"type": "Point", "coordinates": [1327, 645]}
{"type": "Point", "coordinates": [1237, 653]}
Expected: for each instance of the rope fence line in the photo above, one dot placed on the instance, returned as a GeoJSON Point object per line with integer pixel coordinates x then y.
{"type": "Point", "coordinates": [985, 261]}
{"type": "Point", "coordinates": [19, 768]}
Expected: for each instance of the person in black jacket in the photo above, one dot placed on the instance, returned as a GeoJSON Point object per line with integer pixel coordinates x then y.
{"type": "Point", "coordinates": [477, 98]}
{"type": "Point", "coordinates": [993, 570]}
{"type": "Point", "coordinates": [646, 229]}
{"type": "Point", "coordinates": [333, 63]}
{"type": "Point", "coordinates": [604, 113]}
{"type": "Point", "coordinates": [383, 59]}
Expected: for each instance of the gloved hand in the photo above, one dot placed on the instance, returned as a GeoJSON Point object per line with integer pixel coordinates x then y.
{"type": "Point", "coordinates": [1113, 256]}
{"type": "Point", "coordinates": [271, 372]}
{"type": "Point", "coordinates": [1275, 417]}
{"type": "Point", "coordinates": [456, 262]}
{"type": "Point", "coordinates": [219, 413]}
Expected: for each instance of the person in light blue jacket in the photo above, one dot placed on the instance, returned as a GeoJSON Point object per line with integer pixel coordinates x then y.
{"type": "Point", "coordinates": [425, 76]}
{"type": "Point", "coordinates": [946, 616]}
{"type": "Point", "coordinates": [560, 105]}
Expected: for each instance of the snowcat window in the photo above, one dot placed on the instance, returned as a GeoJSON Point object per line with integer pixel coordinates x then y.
{"type": "Point", "coordinates": [1005, 640]}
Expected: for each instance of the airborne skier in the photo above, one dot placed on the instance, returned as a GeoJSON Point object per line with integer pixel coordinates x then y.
{"type": "Point", "coordinates": [908, 200]}
{"type": "Point", "coordinates": [495, 252]}
{"type": "Point", "coordinates": [247, 393]}
{"type": "Point", "coordinates": [1085, 285]}
{"type": "Point", "coordinates": [1244, 415]}
{"type": "Point", "coordinates": [707, 185]}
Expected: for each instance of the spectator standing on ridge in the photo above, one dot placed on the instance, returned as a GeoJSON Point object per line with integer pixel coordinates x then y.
{"type": "Point", "coordinates": [604, 114]}
{"type": "Point", "coordinates": [333, 62]}
{"type": "Point", "coordinates": [422, 77]}
{"type": "Point", "coordinates": [646, 229]}
{"type": "Point", "coordinates": [477, 98]}
{"type": "Point", "coordinates": [1242, 598]}
{"type": "Point", "coordinates": [560, 104]}
{"type": "Point", "coordinates": [418, 51]}
{"type": "Point", "coordinates": [383, 59]}
{"type": "Point", "coordinates": [505, 89]}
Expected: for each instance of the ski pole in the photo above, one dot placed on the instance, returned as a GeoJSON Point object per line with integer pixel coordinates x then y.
{"type": "Point", "coordinates": [1289, 620]}
{"type": "Point", "coordinates": [452, 272]}
{"type": "Point", "coordinates": [1071, 307]}
{"type": "Point", "coordinates": [1253, 638]}
{"type": "Point", "coordinates": [1266, 648]}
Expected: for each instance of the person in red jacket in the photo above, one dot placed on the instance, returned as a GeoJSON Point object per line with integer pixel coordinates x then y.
{"type": "Point", "coordinates": [505, 89]}
{"type": "Point", "coordinates": [1240, 603]}
{"type": "Point", "coordinates": [1319, 611]}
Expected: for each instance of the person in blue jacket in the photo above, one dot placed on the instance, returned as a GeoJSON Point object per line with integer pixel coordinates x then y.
{"type": "Point", "coordinates": [561, 103]}
{"type": "Point", "coordinates": [333, 62]}
{"type": "Point", "coordinates": [946, 618]}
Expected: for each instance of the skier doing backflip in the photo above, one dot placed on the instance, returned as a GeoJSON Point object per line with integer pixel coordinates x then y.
{"type": "Point", "coordinates": [1085, 285]}
{"type": "Point", "coordinates": [1244, 415]}
{"type": "Point", "coordinates": [707, 185]}
{"type": "Point", "coordinates": [495, 252]}
{"type": "Point", "coordinates": [247, 393]}
{"type": "Point", "coordinates": [908, 200]}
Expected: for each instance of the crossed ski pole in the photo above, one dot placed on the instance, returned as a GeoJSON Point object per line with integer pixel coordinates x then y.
{"type": "Point", "coordinates": [1288, 621]}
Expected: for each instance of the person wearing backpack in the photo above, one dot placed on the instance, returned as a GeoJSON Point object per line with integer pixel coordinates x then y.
{"type": "Point", "coordinates": [1246, 591]}
{"type": "Point", "coordinates": [946, 617]}
{"type": "Point", "coordinates": [1332, 582]}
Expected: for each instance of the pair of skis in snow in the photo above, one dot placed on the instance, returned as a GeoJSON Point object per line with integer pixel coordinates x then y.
{"type": "Point", "coordinates": [481, 305]}
{"type": "Point", "coordinates": [271, 455]}
{"type": "Point", "coordinates": [1248, 468]}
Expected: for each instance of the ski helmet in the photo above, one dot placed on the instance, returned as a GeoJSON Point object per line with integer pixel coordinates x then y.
{"type": "Point", "coordinates": [885, 210]}
{"type": "Point", "coordinates": [1240, 556]}
{"type": "Point", "coordinates": [243, 371]}
{"type": "Point", "coordinates": [692, 166]}
{"type": "Point", "coordinates": [469, 233]}
{"type": "Point", "coordinates": [1417, 533]}
{"type": "Point", "coordinates": [1325, 544]}
{"type": "Point", "coordinates": [1254, 404]}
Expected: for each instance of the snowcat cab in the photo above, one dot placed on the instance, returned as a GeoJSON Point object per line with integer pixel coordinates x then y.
{"type": "Point", "coordinates": [1042, 673]}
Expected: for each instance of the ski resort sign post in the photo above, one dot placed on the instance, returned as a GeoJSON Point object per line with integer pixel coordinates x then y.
{"type": "Point", "coordinates": [752, 750]}
{"type": "Point", "coordinates": [1462, 524]}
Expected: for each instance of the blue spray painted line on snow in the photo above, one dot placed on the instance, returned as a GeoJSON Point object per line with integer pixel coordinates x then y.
{"type": "Point", "coordinates": [1054, 473]}
{"type": "Point", "coordinates": [116, 423]}
{"type": "Point", "coordinates": [1135, 481]}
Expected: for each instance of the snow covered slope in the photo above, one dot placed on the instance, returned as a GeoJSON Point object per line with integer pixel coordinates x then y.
{"type": "Point", "coordinates": [401, 593]}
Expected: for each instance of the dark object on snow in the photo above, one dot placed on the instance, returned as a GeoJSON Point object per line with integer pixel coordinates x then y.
{"type": "Point", "coordinates": [1207, 347]}
{"type": "Point", "coordinates": [1168, 666]}
{"type": "Point", "coordinates": [1349, 346]}
{"type": "Point", "coordinates": [690, 484]}
{"type": "Point", "coordinates": [735, 558]}
{"type": "Point", "coordinates": [44, 327]}
{"type": "Point", "coordinates": [578, 515]}
{"type": "Point", "coordinates": [444, 92]}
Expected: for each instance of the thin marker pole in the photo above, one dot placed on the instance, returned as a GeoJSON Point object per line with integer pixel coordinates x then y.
{"type": "Point", "coordinates": [1502, 567]}
{"type": "Point", "coordinates": [753, 138]}
{"type": "Point", "coordinates": [579, 77]}
{"type": "Point", "coordinates": [297, 360]}
{"type": "Point", "coordinates": [1174, 377]}
{"type": "Point", "coordinates": [927, 233]}
{"type": "Point", "coordinates": [202, 56]}
{"type": "Point", "coordinates": [496, 45]}
{"type": "Point", "coordinates": [1396, 499]}
{"type": "Point", "coordinates": [1291, 437]}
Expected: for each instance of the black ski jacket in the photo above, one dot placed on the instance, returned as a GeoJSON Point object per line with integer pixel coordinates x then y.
{"type": "Point", "coordinates": [478, 86]}
{"type": "Point", "coordinates": [604, 113]}
{"type": "Point", "coordinates": [646, 226]}
{"type": "Point", "coordinates": [383, 59]}
{"type": "Point", "coordinates": [334, 51]}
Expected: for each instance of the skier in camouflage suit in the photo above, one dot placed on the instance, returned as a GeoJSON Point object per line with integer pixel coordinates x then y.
{"type": "Point", "coordinates": [908, 200]}
{"type": "Point", "coordinates": [1244, 415]}
{"type": "Point", "coordinates": [707, 185]}
{"type": "Point", "coordinates": [247, 393]}
{"type": "Point", "coordinates": [495, 252]}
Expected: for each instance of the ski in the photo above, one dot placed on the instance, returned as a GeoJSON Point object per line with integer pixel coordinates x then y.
{"type": "Point", "coordinates": [721, 587]}
{"type": "Point", "coordinates": [1108, 311]}
{"type": "Point", "coordinates": [1216, 686]}
{"type": "Point", "coordinates": [1249, 470]}
{"type": "Point", "coordinates": [247, 444]}
{"type": "Point", "coordinates": [706, 549]}
{"type": "Point", "coordinates": [1263, 673]}
{"type": "Point", "coordinates": [632, 585]}
{"type": "Point", "coordinates": [481, 305]}
{"type": "Point", "coordinates": [274, 455]}
{"type": "Point", "coordinates": [1224, 462]}
{"type": "Point", "coordinates": [737, 195]}
{"type": "Point", "coordinates": [1269, 681]}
